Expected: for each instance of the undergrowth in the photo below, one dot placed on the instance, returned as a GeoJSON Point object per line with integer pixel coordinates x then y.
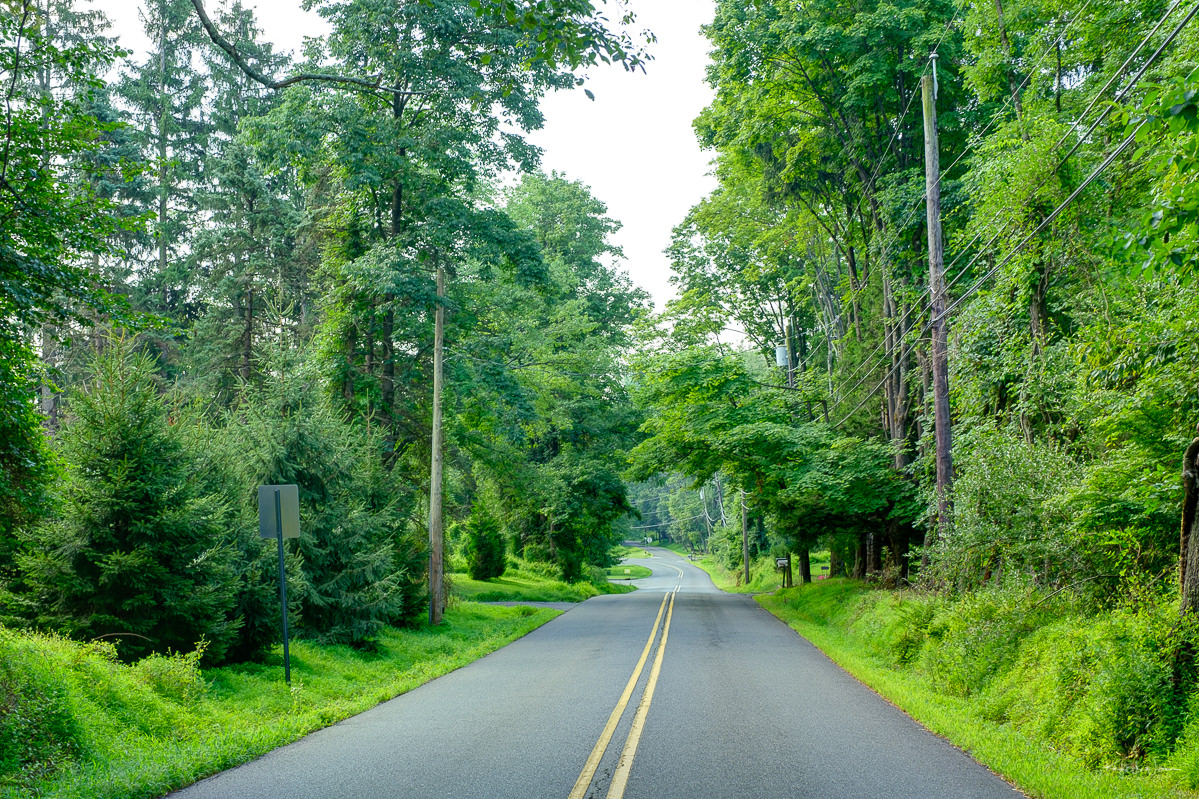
{"type": "Point", "coordinates": [75, 722]}
{"type": "Point", "coordinates": [1102, 695]}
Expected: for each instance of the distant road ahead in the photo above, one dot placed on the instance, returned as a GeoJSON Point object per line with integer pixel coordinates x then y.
{"type": "Point", "coordinates": [699, 694]}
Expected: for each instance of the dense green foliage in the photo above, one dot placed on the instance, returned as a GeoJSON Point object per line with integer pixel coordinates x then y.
{"type": "Point", "coordinates": [50, 215]}
{"type": "Point", "coordinates": [1036, 686]}
{"type": "Point", "coordinates": [134, 552]}
{"type": "Point", "coordinates": [279, 252]}
{"type": "Point", "coordinates": [274, 255]}
{"type": "Point", "coordinates": [485, 548]}
{"type": "Point", "coordinates": [78, 723]}
{"type": "Point", "coordinates": [1067, 150]}
{"type": "Point", "coordinates": [1067, 145]}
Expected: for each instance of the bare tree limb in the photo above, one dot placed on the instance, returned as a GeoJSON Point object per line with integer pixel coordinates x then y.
{"type": "Point", "coordinates": [372, 83]}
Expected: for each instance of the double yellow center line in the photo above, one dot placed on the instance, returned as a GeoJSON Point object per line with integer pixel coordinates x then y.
{"type": "Point", "coordinates": [621, 778]}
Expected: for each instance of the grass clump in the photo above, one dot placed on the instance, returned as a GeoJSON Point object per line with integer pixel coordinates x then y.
{"type": "Point", "coordinates": [628, 571]}
{"type": "Point", "coordinates": [39, 732]}
{"type": "Point", "coordinates": [78, 724]}
{"type": "Point", "coordinates": [1066, 702]}
{"type": "Point", "coordinates": [534, 582]}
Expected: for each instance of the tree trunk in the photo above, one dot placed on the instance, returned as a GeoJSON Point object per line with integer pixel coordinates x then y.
{"type": "Point", "coordinates": [1012, 83]}
{"type": "Point", "coordinates": [162, 165]}
{"type": "Point", "coordinates": [874, 551]}
{"type": "Point", "coordinates": [347, 388]}
{"type": "Point", "coordinates": [387, 383]}
{"type": "Point", "coordinates": [805, 565]}
{"type": "Point", "coordinates": [49, 392]}
{"type": "Point", "coordinates": [1188, 556]}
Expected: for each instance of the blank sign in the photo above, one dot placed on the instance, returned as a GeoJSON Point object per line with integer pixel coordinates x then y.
{"type": "Point", "coordinates": [289, 505]}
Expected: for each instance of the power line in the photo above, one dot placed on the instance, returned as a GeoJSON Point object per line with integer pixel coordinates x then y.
{"type": "Point", "coordinates": [1010, 220]}
{"type": "Point", "coordinates": [667, 524]}
{"type": "Point", "coordinates": [916, 207]}
{"type": "Point", "coordinates": [1056, 212]}
{"type": "Point", "coordinates": [1052, 216]}
{"type": "Point", "coordinates": [1120, 95]}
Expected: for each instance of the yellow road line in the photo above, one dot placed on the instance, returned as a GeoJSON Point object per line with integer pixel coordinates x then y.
{"type": "Point", "coordinates": [601, 746]}
{"type": "Point", "coordinates": [621, 778]}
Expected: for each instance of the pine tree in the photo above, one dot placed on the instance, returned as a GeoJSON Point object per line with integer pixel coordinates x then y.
{"type": "Point", "coordinates": [165, 98]}
{"type": "Point", "coordinates": [362, 565]}
{"type": "Point", "coordinates": [135, 549]}
{"type": "Point", "coordinates": [484, 547]}
{"type": "Point", "coordinates": [51, 224]}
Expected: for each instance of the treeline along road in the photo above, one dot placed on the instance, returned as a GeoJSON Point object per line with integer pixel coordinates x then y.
{"type": "Point", "coordinates": [677, 690]}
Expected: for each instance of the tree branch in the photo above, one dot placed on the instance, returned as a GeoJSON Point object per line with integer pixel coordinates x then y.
{"type": "Point", "coordinates": [373, 83]}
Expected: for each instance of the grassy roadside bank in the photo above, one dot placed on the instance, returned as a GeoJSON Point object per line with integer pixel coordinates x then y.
{"type": "Point", "coordinates": [78, 724]}
{"type": "Point", "coordinates": [762, 574]}
{"type": "Point", "coordinates": [524, 582]}
{"type": "Point", "coordinates": [1047, 700]}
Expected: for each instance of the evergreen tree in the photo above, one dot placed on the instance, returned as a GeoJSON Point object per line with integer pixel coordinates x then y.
{"type": "Point", "coordinates": [165, 97]}
{"type": "Point", "coordinates": [362, 565]}
{"type": "Point", "coordinates": [485, 558]}
{"type": "Point", "coordinates": [51, 223]}
{"type": "Point", "coordinates": [134, 551]}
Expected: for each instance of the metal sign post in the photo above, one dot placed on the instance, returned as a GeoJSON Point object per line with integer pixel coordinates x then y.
{"type": "Point", "coordinates": [279, 518]}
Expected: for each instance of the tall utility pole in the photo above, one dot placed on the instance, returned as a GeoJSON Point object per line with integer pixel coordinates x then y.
{"type": "Point", "coordinates": [745, 537]}
{"type": "Point", "coordinates": [436, 535]}
{"type": "Point", "coordinates": [940, 325]}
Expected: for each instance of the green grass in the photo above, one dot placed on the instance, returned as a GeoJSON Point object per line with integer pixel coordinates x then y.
{"type": "Point", "coordinates": [622, 552]}
{"type": "Point", "coordinates": [528, 585]}
{"type": "Point", "coordinates": [628, 571]}
{"type": "Point", "coordinates": [762, 576]}
{"type": "Point", "coordinates": [1016, 715]}
{"type": "Point", "coordinates": [107, 730]}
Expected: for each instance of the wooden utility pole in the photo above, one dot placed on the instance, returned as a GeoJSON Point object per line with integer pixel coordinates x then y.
{"type": "Point", "coordinates": [940, 324]}
{"type": "Point", "coordinates": [745, 537]}
{"type": "Point", "coordinates": [436, 534]}
{"type": "Point", "coordinates": [707, 522]}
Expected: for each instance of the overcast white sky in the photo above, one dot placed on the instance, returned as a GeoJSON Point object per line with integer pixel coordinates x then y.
{"type": "Point", "coordinates": [633, 145]}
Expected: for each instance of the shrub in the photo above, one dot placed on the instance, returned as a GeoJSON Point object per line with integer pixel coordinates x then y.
{"type": "Point", "coordinates": [485, 550]}
{"type": "Point", "coordinates": [174, 676]}
{"type": "Point", "coordinates": [1006, 519]}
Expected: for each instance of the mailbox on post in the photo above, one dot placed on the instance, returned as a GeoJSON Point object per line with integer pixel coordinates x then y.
{"type": "Point", "coordinates": [784, 565]}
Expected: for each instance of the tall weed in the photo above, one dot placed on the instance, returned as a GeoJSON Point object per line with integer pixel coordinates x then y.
{"type": "Point", "coordinates": [1105, 686]}
{"type": "Point", "coordinates": [38, 728]}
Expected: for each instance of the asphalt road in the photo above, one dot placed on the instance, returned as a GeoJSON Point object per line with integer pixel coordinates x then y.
{"type": "Point", "coordinates": [721, 701]}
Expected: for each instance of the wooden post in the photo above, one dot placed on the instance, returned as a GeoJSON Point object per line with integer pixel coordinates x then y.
{"type": "Point", "coordinates": [745, 538]}
{"type": "Point", "coordinates": [707, 523]}
{"type": "Point", "coordinates": [436, 537]}
{"type": "Point", "coordinates": [940, 325]}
